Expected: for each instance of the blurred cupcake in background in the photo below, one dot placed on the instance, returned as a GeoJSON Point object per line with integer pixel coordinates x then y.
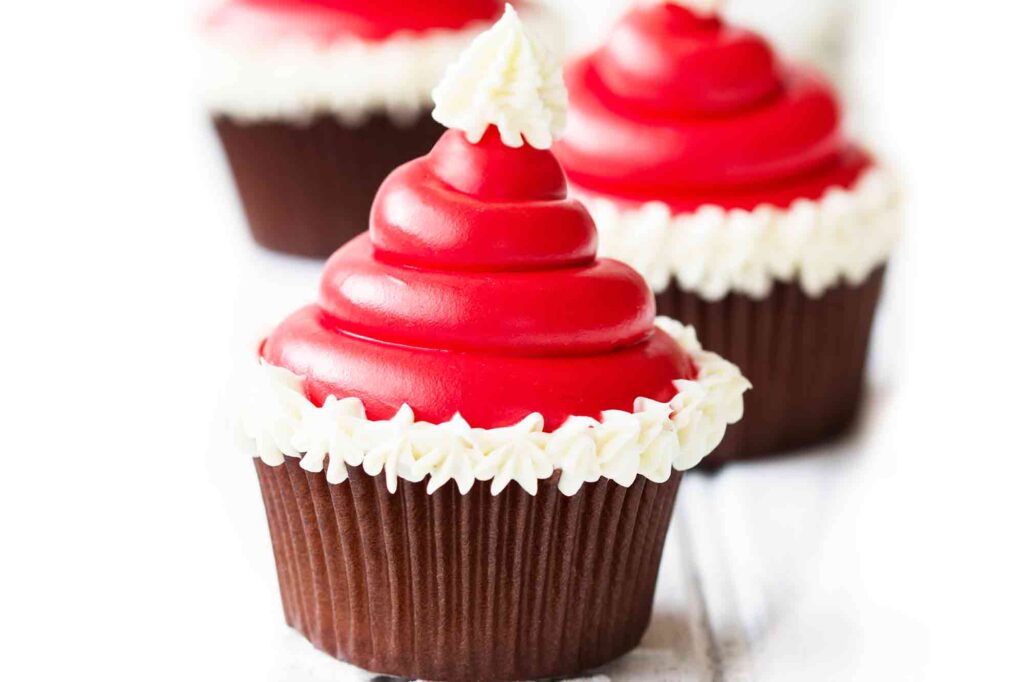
{"type": "Point", "coordinates": [723, 174]}
{"type": "Point", "coordinates": [316, 101]}
{"type": "Point", "coordinates": [814, 31]}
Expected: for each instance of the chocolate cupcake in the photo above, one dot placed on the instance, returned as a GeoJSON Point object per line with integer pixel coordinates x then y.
{"type": "Point", "coordinates": [316, 101]}
{"type": "Point", "coordinates": [470, 448]}
{"type": "Point", "coordinates": [723, 175]}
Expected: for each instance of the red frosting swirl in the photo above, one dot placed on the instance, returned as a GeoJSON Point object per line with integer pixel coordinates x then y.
{"type": "Point", "coordinates": [331, 20]}
{"type": "Point", "coordinates": [683, 108]}
{"type": "Point", "coordinates": [477, 290]}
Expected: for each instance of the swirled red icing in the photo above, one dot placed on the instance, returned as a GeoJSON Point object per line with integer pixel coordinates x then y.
{"type": "Point", "coordinates": [332, 20]}
{"type": "Point", "coordinates": [477, 290]}
{"type": "Point", "coordinates": [683, 108]}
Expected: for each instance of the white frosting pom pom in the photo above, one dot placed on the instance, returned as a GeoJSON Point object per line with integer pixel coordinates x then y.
{"type": "Point", "coordinates": [507, 79]}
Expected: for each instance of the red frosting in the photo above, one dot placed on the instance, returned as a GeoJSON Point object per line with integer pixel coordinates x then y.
{"type": "Point", "coordinates": [683, 108]}
{"type": "Point", "coordinates": [332, 20]}
{"type": "Point", "coordinates": [477, 290]}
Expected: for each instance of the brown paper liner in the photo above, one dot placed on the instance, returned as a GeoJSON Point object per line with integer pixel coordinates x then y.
{"type": "Point", "coordinates": [307, 188]}
{"type": "Point", "coordinates": [474, 587]}
{"type": "Point", "coordinates": [804, 356]}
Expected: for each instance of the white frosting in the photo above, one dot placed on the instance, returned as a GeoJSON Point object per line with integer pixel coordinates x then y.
{"type": "Point", "coordinates": [278, 421]}
{"type": "Point", "coordinates": [506, 79]}
{"type": "Point", "coordinates": [713, 252]}
{"type": "Point", "coordinates": [296, 77]}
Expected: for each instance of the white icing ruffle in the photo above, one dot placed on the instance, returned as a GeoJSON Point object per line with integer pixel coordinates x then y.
{"type": "Point", "coordinates": [297, 78]}
{"type": "Point", "coordinates": [278, 421]}
{"type": "Point", "coordinates": [508, 79]}
{"type": "Point", "coordinates": [713, 252]}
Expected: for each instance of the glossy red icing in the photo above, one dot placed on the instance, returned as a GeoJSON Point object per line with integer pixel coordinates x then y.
{"type": "Point", "coordinates": [484, 206]}
{"type": "Point", "coordinates": [688, 110]}
{"type": "Point", "coordinates": [332, 20]}
{"type": "Point", "coordinates": [477, 290]}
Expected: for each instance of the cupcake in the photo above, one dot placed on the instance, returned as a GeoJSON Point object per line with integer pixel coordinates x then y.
{"type": "Point", "coordinates": [470, 448]}
{"type": "Point", "coordinates": [316, 101]}
{"type": "Point", "coordinates": [723, 175]}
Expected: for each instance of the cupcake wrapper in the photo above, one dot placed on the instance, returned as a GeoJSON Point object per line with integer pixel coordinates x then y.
{"type": "Point", "coordinates": [804, 356]}
{"type": "Point", "coordinates": [307, 187]}
{"type": "Point", "coordinates": [452, 587]}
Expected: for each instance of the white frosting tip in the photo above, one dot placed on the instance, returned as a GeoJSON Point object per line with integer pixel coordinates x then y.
{"type": "Point", "coordinates": [507, 79]}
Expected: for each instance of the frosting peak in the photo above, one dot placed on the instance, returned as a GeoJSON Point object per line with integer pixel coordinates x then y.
{"type": "Point", "coordinates": [669, 60]}
{"type": "Point", "coordinates": [686, 109]}
{"type": "Point", "coordinates": [478, 290]}
{"type": "Point", "coordinates": [505, 79]}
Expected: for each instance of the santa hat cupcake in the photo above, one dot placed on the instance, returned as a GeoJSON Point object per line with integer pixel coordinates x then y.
{"type": "Point", "coordinates": [470, 447]}
{"type": "Point", "coordinates": [723, 175]}
{"type": "Point", "coordinates": [316, 101]}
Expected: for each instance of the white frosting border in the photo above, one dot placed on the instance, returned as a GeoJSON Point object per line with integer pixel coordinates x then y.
{"type": "Point", "coordinates": [297, 78]}
{"type": "Point", "coordinates": [713, 252]}
{"type": "Point", "coordinates": [278, 421]}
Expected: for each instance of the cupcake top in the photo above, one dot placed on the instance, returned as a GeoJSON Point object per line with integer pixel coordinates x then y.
{"type": "Point", "coordinates": [679, 106]}
{"type": "Point", "coordinates": [684, 111]}
{"type": "Point", "coordinates": [476, 305]}
{"type": "Point", "coordinates": [293, 59]}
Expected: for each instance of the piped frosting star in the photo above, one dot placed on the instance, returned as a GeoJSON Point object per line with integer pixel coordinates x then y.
{"type": "Point", "coordinates": [506, 79]}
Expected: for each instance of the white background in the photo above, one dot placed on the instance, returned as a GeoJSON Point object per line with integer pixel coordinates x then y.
{"type": "Point", "coordinates": [133, 544]}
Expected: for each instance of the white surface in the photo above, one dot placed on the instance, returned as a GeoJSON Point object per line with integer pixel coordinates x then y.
{"type": "Point", "coordinates": [134, 549]}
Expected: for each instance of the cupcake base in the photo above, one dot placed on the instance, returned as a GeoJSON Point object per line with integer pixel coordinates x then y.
{"type": "Point", "coordinates": [804, 356]}
{"type": "Point", "coordinates": [307, 188]}
{"type": "Point", "coordinates": [474, 587]}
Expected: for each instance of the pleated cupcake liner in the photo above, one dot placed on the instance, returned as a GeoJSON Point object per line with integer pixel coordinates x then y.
{"type": "Point", "coordinates": [307, 187]}
{"type": "Point", "coordinates": [474, 587]}
{"type": "Point", "coordinates": [804, 356]}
